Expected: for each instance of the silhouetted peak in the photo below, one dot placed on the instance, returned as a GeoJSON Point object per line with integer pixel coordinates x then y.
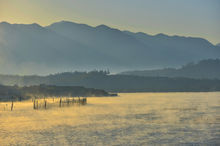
{"type": "Point", "coordinates": [143, 34]}
{"type": "Point", "coordinates": [161, 35]}
{"type": "Point", "coordinates": [103, 27]}
{"type": "Point", "coordinates": [4, 23]}
{"type": "Point", "coordinates": [69, 24]}
{"type": "Point", "coordinates": [65, 22]}
{"type": "Point", "coordinates": [34, 25]}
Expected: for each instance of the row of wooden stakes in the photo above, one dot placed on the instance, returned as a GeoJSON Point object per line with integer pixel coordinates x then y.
{"type": "Point", "coordinates": [45, 104]}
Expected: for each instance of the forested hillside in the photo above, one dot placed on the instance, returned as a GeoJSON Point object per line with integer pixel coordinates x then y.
{"type": "Point", "coordinates": [204, 69]}
{"type": "Point", "coordinates": [116, 83]}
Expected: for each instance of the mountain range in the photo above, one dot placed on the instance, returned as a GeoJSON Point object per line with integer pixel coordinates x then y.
{"type": "Point", "coordinates": [67, 46]}
{"type": "Point", "coordinates": [204, 69]}
{"type": "Point", "coordinates": [113, 83]}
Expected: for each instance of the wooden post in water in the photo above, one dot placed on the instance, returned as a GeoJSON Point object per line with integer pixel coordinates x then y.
{"type": "Point", "coordinates": [85, 100]}
{"type": "Point", "coordinates": [45, 104]}
{"type": "Point", "coordinates": [12, 105]}
{"type": "Point", "coordinates": [34, 104]}
{"type": "Point", "coordinates": [60, 102]}
{"type": "Point", "coordinates": [68, 101]}
{"type": "Point", "coordinates": [37, 104]}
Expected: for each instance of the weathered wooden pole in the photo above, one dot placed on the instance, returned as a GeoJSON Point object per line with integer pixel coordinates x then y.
{"type": "Point", "coordinates": [34, 104]}
{"type": "Point", "coordinates": [84, 101]}
{"type": "Point", "coordinates": [45, 104]}
{"type": "Point", "coordinates": [37, 104]}
{"type": "Point", "coordinates": [68, 101]}
{"type": "Point", "coordinates": [60, 102]}
{"type": "Point", "coordinates": [12, 105]}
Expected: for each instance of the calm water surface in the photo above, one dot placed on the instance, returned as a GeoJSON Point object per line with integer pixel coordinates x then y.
{"type": "Point", "coordinates": [130, 119]}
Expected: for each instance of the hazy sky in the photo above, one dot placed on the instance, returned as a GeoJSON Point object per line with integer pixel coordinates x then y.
{"type": "Point", "coordinates": [198, 18]}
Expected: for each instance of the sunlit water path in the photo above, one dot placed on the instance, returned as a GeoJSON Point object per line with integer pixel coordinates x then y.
{"type": "Point", "coordinates": [130, 119]}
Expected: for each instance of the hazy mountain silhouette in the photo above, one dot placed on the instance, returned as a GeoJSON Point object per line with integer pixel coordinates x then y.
{"type": "Point", "coordinates": [31, 48]}
{"type": "Point", "coordinates": [209, 69]}
{"type": "Point", "coordinates": [115, 83]}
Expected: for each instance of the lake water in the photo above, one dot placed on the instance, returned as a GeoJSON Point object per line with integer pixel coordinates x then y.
{"type": "Point", "coordinates": [130, 119]}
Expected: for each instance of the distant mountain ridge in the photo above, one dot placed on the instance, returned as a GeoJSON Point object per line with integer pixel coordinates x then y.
{"type": "Point", "coordinates": [65, 46]}
{"type": "Point", "coordinates": [208, 69]}
{"type": "Point", "coordinates": [115, 83]}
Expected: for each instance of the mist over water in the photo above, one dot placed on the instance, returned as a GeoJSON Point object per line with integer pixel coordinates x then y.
{"type": "Point", "coordinates": [130, 119]}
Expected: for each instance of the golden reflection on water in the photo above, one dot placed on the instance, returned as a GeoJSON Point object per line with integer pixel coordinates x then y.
{"type": "Point", "coordinates": [130, 119]}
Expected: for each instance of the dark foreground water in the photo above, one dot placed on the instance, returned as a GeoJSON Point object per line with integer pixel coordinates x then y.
{"type": "Point", "coordinates": [130, 119]}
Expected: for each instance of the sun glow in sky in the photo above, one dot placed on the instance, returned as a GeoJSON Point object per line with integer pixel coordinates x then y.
{"type": "Point", "coordinates": [197, 18]}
